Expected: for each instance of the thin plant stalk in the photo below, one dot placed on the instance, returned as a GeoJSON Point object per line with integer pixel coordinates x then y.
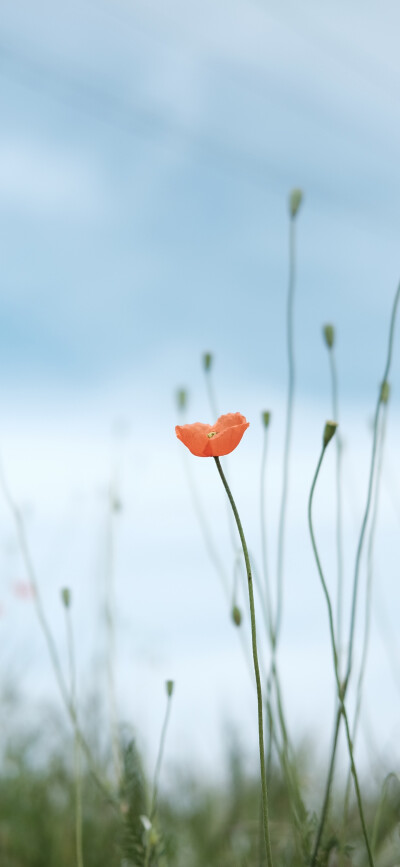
{"type": "Point", "coordinates": [154, 797]}
{"type": "Point", "coordinates": [370, 486]}
{"type": "Point", "coordinates": [339, 533]}
{"type": "Point", "coordinates": [368, 597]}
{"type": "Point", "coordinates": [358, 555]}
{"type": "Point", "coordinates": [212, 550]}
{"type": "Point", "coordinates": [325, 804]}
{"type": "Point", "coordinates": [109, 609]}
{"type": "Point", "coordinates": [273, 677]}
{"type": "Point", "coordinates": [264, 551]}
{"type": "Point", "coordinates": [160, 757]}
{"type": "Point", "coordinates": [77, 747]}
{"type": "Point", "coordinates": [335, 658]}
{"type": "Point", "coordinates": [26, 556]}
{"type": "Point", "coordinates": [379, 811]}
{"type": "Point", "coordinates": [256, 664]}
{"type": "Point", "coordinates": [288, 428]}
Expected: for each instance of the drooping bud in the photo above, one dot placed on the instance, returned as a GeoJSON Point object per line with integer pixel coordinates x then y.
{"type": "Point", "coordinates": [236, 615]}
{"type": "Point", "coordinates": [207, 361]}
{"type": "Point", "coordinates": [169, 685]}
{"type": "Point", "coordinates": [329, 335]}
{"type": "Point", "coordinates": [329, 432]}
{"type": "Point", "coordinates": [385, 391]}
{"type": "Point", "coordinates": [181, 398]}
{"type": "Point", "coordinates": [266, 417]}
{"type": "Point", "coordinates": [295, 200]}
{"type": "Point", "coordinates": [66, 597]}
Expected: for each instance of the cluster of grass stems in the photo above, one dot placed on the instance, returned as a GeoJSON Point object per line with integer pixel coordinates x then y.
{"type": "Point", "coordinates": [87, 805]}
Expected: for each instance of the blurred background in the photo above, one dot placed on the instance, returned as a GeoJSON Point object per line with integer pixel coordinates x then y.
{"type": "Point", "coordinates": [147, 153]}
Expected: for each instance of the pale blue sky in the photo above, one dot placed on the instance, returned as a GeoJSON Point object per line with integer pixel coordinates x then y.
{"type": "Point", "coordinates": [146, 156]}
{"type": "Point", "coordinates": [147, 153]}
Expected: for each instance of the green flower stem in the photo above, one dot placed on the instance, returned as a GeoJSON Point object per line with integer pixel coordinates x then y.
{"type": "Point", "coordinates": [369, 494]}
{"type": "Point", "coordinates": [77, 748]}
{"type": "Point", "coordinates": [256, 665]}
{"type": "Point", "coordinates": [153, 806]}
{"type": "Point", "coordinates": [109, 611]}
{"type": "Point", "coordinates": [379, 811]}
{"type": "Point", "coordinates": [212, 550]}
{"type": "Point", "coordinates": [340, 689]}
{"type": "Point", "coordinates": [368, 598]}
{"type": "Point", "coordinates": [363, 529]}
{"type": "Point", "coordinates": [328, 786]}
{"type": "Point", "coordinates": [339, 545]}
{"type": "Point", "coordinates": [288, 431]}
{"type": "Point", "coordinates": [160, 758]}
{"type": "Point", "coordinates": [264, 535]}
{"type": "Point", "coordinates": [26, 556]}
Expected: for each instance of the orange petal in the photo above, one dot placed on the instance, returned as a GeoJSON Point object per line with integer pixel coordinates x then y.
{"type": "Point", "coordinates": [229, 430]}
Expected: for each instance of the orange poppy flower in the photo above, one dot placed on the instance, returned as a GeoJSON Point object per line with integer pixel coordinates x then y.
{"type": "Point", "coordinates": [213, 441]}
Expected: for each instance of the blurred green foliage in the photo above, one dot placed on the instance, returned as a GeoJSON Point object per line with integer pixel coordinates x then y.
{"type": "Point", "coordinates": [197, 825]}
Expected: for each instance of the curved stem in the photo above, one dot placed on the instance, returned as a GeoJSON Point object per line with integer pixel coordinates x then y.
{"type": "Point", "coordinates": [324, 812]}
{"type": "Point", "coordinates": [212, 551]}
{"type": "Point", "coordinates": [369, 493]}
{"type": "Point", "coordinates": [103, 785]}
{"type": "Point", "coordinates": [288, 430]}
{"type": "Point", "coordinates": [256, 665]}
{"type": "Point", "coordinates": [264, 534]}
{"type": "Point", "coordinates": [368, 597]}
{"type": "Point", "coordinates": [109, 609]}
{"type": "Point", "coordinates": [339, 545]}
{"type": "Point", "coordinates": [340, 689]}
{"type": "Point", "coordinates": [160, 758]}
{"type": "Point", "coordinates": [363, 528]}
{"type": "Point", "coordinates": [77, 754]}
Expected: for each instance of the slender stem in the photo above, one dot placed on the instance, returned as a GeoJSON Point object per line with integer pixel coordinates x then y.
{"type": "Point", "coordinates": [364, 523]}
{"type": "Point", "coordinates": [369, 494]}
{"type": "Point", "coordinates": [264, 534]}
{"type": "Point", "coordinates": [339, 545]}
{"type": "Point", "coordinates": [340, 690]}
{"type": "Point", "coordinates": [273, 677]}
{"type": "Point", "coordinates": [110, 625]}
{"type": "Point", "coordinates": [324, 812]}
{"type": "Point", "coordinates": [212, 550]}
{"type": "Point", "coordinates": [77, 755]}
{"type": "Point", "coordinates": [255, 661]}
{"type": "Point", "coordinates": [159, 759]}
{"type": "Point", "coordinates": [288, 431]}
{"type": "Point", "coordinates": [368, 596]}
{"type": "Point", "coordinates": [380, 809]}
{"type": "Point", "coordinates": [153, 807]}
{"type": "Point", "coordinates": [103, 785]}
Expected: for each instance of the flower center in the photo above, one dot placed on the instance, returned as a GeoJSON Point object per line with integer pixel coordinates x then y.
{"type": "Point", "coordinates": [212, 434]}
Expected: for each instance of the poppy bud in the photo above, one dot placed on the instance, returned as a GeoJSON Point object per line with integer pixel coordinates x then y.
{"type": "Point", "coordinates": [169, 685]}
{"type": "Point", "coordinates": [385, 391]}
{"type": "Point", "coordinates": [207, 361]}
{"type": "Point", "coordinates": [329, 432]}
{"type": "Point", "coordinates": [266, 418]}
{"type": "Point", "coordinates": [329, 335]}
{"type": "Point", "coordinates": [66, 597]}
{"type": "Point", "coordinates": [295, 200]}
{"type": "Point", "coordinates": [236, 615]}
{"type": "Point", "coordinates": [181, 398]}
